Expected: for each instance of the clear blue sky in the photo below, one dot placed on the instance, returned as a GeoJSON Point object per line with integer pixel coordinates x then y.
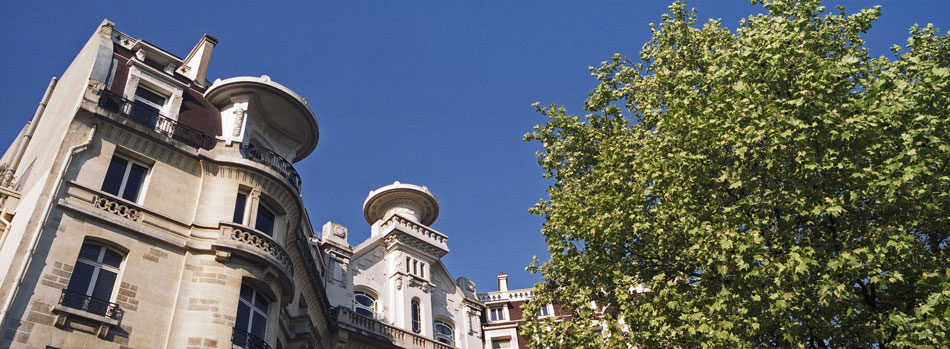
{"type": "Point", "coordinates": [431, 93]}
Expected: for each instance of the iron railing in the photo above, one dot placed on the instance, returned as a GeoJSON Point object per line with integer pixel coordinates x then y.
{"type": "Point", "coordinates": [274, 161]}
{"type": "Point", "coordinates": [148, 117]}
{"type": "Point", "coordinates": [247, 340]}
{"type": "Point", "coordinates": [92, 305]}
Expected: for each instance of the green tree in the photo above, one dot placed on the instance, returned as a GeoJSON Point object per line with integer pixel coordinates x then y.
{"type": "Point", "coordinates": [772, 185]}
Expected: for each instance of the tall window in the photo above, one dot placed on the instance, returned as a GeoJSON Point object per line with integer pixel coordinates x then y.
{"type": "Point", "coordinates": [251, 314]}
{"type": "Point", "coordinates": [94, 276]}
{"type": "Point", "coordinates": [444, 332]}
{"type": "Point", "coordinates": [124, 178]}
{"type": "Point", "coordinates": [497, 313]}
{"type": "Point", "coordinates": [265, 220]}
{"type": "Point", "coordinates": [416, 316]}
{"type": "Point", "coordinates": [239, 205]}
{"type": "Point", "coordinates": [364, 304]}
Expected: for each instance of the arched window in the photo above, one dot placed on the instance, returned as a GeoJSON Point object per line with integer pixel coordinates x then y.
{"type": "Point", "coordinates": [93, 280]}
{"type": "Point", "coordinates": [444, 332]}
{"type": "Point", "coordinates": [250, 324]}
{"type": "Point", "coordinates": [364, 304]}
{"type": "Point", "coordinates": [416, 316]}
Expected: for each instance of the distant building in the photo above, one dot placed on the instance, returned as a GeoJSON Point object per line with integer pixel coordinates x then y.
{"type": "Point", "coordinates": [145, 206]}
{"type": "Point", "coordinates": [503, 315]}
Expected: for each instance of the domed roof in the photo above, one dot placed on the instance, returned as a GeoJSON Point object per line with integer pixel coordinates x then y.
{"type": "Point", "coordinates": [408, 200]}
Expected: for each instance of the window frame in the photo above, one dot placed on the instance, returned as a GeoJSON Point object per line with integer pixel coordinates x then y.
{"type": "Point", "coordinates": [357, 305]}
{"type": "Point", "coordinates": [443, 337]}
{"type": "Point", "coordinates": [257, 215]}
{"type": "Point", "coordinates": [123, 182]}
{"type": "Point", "coordinates": [252, 310]}
{"type": "Point", "coordinates": [98, 265]}
{"type": "Point", "coordinates": [415, 315]}
{"type": "Point", "coordinates": [140, 75]}
{"type": "Point", "coordinates": [500, 310]}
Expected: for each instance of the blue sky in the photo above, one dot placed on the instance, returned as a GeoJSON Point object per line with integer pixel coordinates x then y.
{"type": "Point", "coordinates": [429, 93]}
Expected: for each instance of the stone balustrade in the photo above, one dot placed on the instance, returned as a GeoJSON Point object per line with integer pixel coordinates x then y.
{"type": "Point", "coordinates": [379, 331]}
{"type": "Point", "coordinates": [251, 241]}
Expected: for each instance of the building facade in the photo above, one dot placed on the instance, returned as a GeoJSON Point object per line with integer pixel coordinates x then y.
{"type": "Point", "coordinates": [503, 315]}
{"type": "Point", "coordinates": [146, 206]}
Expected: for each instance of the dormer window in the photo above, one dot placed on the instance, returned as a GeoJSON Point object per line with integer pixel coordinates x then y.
{"type": "Point", "coordinates": [153, 92]}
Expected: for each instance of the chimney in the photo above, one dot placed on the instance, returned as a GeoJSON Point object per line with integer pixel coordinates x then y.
{"type": "Point", "coordinates": [196, 64]}
{"type": "Point", "coordinates": [502, 282]}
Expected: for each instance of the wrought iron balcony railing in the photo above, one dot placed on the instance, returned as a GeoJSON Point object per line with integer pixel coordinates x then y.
{"type": "Point", "coordinates": [247, 340]}
{"type": "Point", "coordinates": [92, 305]}
{"type": "Point", "coordinates": [274, 161]}
{"type": "Point", "coordinates": [148, 117]}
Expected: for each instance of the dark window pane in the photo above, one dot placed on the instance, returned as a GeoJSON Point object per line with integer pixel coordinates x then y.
{"type": "Point", "coordinates": [246, 292]}
{"type": "Point", "coordinates": [265, 220]}
{"type": "Point", "coordinates": [258, 326]}
{"type": "Point", "coordinates": [364, 312]}
{"type": "Point", "coordinates": [114, 175]}
{"type": "Point", "coordinates": [415, 317]}
{"type": "Point", "coordinates": [134, 182]}
{"type": "Point", "coordinates": [103, 288]}
{"type": "Point", "coordinates": [90, 252]}
{"type": "Point", "coordinates": [112, 258]}
{"type": "Point", "coordinates": [144, 94]}
{"type": "Point", "coordinates": [243, 317]}
{"type": "Point", "coordinates": [260, 302]}
{"type": "Point", "coordinates": [364, 300]}
{"type": "Point", "coordinates": [79, 281]}
{"type": "Point", "coordinates": [239, 208]}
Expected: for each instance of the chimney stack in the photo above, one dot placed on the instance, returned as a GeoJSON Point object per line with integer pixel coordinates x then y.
{"type": "Point", "coordinates": [502, 282]}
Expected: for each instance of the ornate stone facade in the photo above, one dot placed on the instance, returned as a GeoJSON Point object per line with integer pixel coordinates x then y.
{"type": "Point", "coordinates": [163, 210]}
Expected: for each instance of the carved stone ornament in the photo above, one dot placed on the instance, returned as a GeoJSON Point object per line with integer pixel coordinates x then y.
{"type": "Point", "coordinates": [339, 232]}
{"type": "Point", "coordinates": [238, 121]}
{"type": "Point", "coordinates": [421, 284]}
{"type": "Point", "coordinates": [399, 282]}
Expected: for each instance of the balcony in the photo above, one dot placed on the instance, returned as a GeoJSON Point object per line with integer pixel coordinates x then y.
{"type": "Point", "coordinates": [84, 313]}
{"type": "Point", "coordinates": [252, 243]}
{"type": "Point", "coordinates": [91, 305]}
{"type": "Point", "coordinates": [378, 331]}
{"type": "Point", "coordinates": [246, 340]}
{"type": "Point", "coordinates": [153, 120]}
{"type": "Point", "coordinates": [274, 161]}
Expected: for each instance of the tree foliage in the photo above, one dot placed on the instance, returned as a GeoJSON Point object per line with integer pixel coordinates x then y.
{"type": "Point", "coordinates": [771, 185]}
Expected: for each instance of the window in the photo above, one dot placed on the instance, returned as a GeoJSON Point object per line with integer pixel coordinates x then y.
{"type": "Point", "coordinates": [501, 343]}
{"type": "Point", "coordinates": [544, 310]}
{"type": "Point", "coordinates": [265, 220]}
{"type": "Point", "coordinates": [147, 106]}
{"type": "Point", "coordinates": [251, 317]}
{"type": "Point", "coordinates": [124, 178]}
{"type": "Point", "coordinates": [364, 304]}
{"type": "Point", "coordinates": [415, 267]}
{"type": "Point", "coordinates": [239, 208]}
{"type": "Point", "coordinates": [93, 279]}
{"type": "Point", "coordinates": [416, 316]}
{"type": "Point", "coordinates": [444, 332]}
{"type": "Point", "coordinates": [497, 313]}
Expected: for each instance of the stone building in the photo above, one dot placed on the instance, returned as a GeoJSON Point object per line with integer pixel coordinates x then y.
{"type": "Point", "coordinates": [145, 206]}
{"type": "Point", "coordinates": [399, 289]}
